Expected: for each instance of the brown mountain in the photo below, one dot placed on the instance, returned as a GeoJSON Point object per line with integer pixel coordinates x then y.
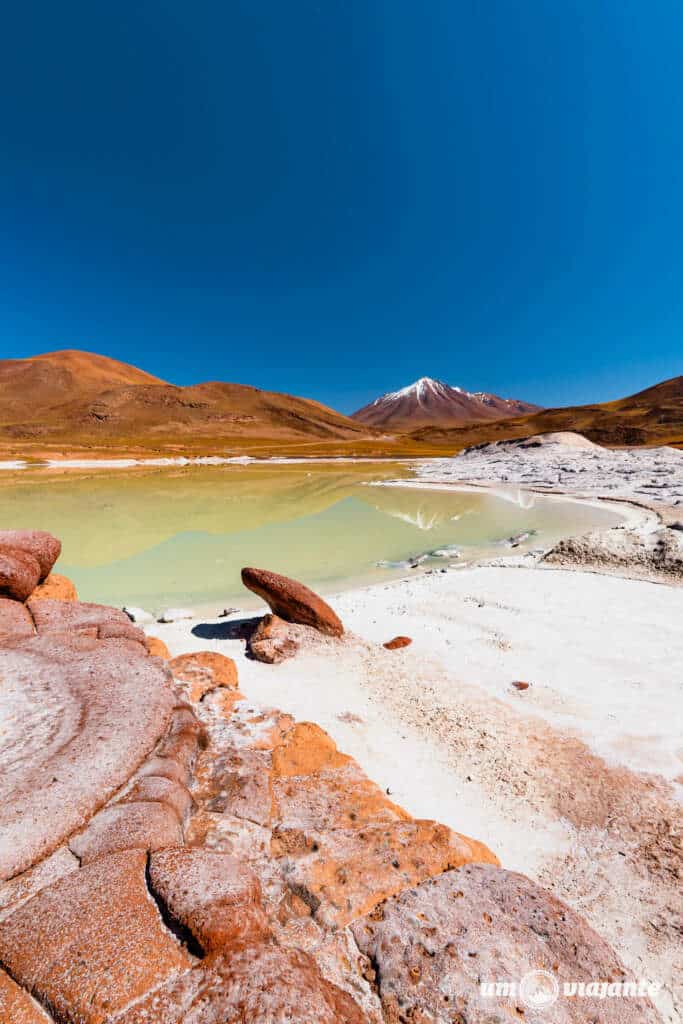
{"type": "Point", "coordinates": [430, 402]}
{"type": "Point", "coordinates": [653, 416]}
{"type": "Point", "coordinates": [81, 399]}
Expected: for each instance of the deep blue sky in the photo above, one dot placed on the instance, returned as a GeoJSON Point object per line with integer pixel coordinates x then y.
{"type": "Point", "coordinates": [334, 197]}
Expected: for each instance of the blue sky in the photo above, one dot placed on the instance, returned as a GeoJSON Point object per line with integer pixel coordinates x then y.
{"type": "Point", "coordinates": [335, 198]}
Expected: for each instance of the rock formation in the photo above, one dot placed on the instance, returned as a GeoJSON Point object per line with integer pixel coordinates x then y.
{"type": "Point", "coordinates": [292, 601]}
{"type": "Point", "coordinates": [172, 853]}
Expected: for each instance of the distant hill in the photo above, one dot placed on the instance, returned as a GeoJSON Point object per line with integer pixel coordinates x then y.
{"type": "Point", "coordinates": [653, 416]}
{"type": "Point", "coordinates": [82, 399]}
{"type": "Point", "coordinates": [430, 402]}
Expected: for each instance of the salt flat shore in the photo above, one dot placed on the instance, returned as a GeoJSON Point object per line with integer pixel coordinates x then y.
{"type": "Point", "coordinates": [575, 780]}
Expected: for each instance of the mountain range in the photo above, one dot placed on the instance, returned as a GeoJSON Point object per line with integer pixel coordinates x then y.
{"type": "Point", "coordinates": [72, 401]}
{"type": "Point", "coordinates": [429, 402]}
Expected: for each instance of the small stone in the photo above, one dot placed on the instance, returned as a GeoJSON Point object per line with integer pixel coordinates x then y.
{"type": "Point", "coordinates": [176, 615]}
{"type": "Point", "coordinates": [138, 615]}
{"type": "Point", "coordinates": [397, 643]}
{"type": "Point", "coordinates": [520, 685]}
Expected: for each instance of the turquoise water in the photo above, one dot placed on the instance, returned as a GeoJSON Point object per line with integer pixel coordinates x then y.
{"type": "Point", "coordinates": [181, 536]}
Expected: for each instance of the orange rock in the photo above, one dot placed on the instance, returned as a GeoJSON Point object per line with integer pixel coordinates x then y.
{"type": "Point", "coordinates": [203, 671]}
{"type": "Point", "coordinates": [15, 620]}
{"type": "Point", "coordinates": [347, 872]}
{"type": "Point", "coordinates": [305, 749]}
{"type": "Point", "coordinates": [19, 573]}
{"type": "Point", "coordinates": [260, 983]}
{"type": "Point", "coordinates": [335, 798]}
{"type": "Point", "coordinates": [292, 601]}
{"type": "Point", "coordinates": [211, 893]}
{"type": "Point", "coordinates": [519, 685]}
{"type": "Point", "coordinates": [16, 1005]}
{"type": "Point", "coordinates": [397, 642]}
{"type": "Point", "coordinates": [59, 588]}
{"type": "Point", "coordinates": [92, 943]}
{"type": "Point", "coordinates": [157, 648]}
{"type": "Point", "coordinates": [45, 548]}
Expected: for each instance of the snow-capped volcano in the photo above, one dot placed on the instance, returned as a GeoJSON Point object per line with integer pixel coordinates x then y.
{"type": "Point", "coordinates": [429, 401]}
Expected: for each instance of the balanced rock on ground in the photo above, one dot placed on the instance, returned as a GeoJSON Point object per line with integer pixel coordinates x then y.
{"type": "Point", "coordinates": [19, 573]}
{"type": "Point", "coordinates": [292, 601]}
{"type": "Point", "coordinates": [45, 548]}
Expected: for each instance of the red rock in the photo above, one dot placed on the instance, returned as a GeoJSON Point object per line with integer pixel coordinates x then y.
{"type": "Point", "coordinates": [93, 942]}
{"type": "Point", "coordinates": [85, 714]}
{"type": "Point", "coordinates": [255, 984]}
{"type": "Point", "coordinates": [434, 944]}
{"type": "Point", "coordinates": [519, 685]}
{"type": "Point", "coordinates": [292, 601]}
{"type": "Point", "coordinates": [273, 640]}
{"type": "Point", "coordinates": [55, 588]}
{"type": "Point", "coordinates": [212, 894]}
{"type": "Point", "coordinates": [128, 826]}
{"type": "Point", "coordinates": [19, 573]}
{"type": "Point", "coordinates": [16, 1005]}
{"type": "Point", "coordinates": [204, 671]}
{"type": "Point", "coordinates": [53, 616]}
{"type": "Point", "coordinates": [397, 643]}
{"type": "Point", "coordinates": [45, 548]}
{"type": "Point", "coordinates": [15, 621]}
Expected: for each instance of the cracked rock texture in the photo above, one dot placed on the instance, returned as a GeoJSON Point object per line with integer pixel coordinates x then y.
{"type": "Point", "coordinates": [172, 853]}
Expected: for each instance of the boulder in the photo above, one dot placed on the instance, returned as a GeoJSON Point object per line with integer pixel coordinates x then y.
{"type": "Point", "coordinates": [15, 620]}
{"type": "Point", "coordinates": [79, 717]}
{"type": "Point", "coordinates": [69, 617]}
{"type": "Point", "coordinates": [203, 671]}
{"type": "Point", "coordinates": [397, 643]}
{"type": "Point", "coordinates": [273, 640]}
{"type": "Point", "coordinates": [344, 872]}
{"type": "Point", "coordinates": [211, 893]}
{"type": "Point", "coordinates": [157, 648]}
{"type": "Point", "coordinates": [147, 825]}
{"type": "Point", "coordinates": [19, 573]}
{"type": "Point", "coordinates": [292, 601]}
{"type": "Point", "coordinates": [433, 945]}
{"type": "Point", "coordinates": [55, 588]}
{"type": "Point", "coordinates": [93, 942]}
{"type": "Point", "coordinates": [16, 1005]}
{"type": "Point", "coordinates": [45, 548]}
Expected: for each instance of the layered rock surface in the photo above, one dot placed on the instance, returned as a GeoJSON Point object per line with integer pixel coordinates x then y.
{"type": "Point", "coordinates": [174, 854]}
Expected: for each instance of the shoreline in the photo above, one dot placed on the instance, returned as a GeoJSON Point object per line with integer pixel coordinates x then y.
{"type": "Point", "coordinates": [576, 781]}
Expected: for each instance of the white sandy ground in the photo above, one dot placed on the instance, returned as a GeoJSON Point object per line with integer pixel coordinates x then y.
{"type": "Point", "coordinates": [575, 781]}
{"type": "Point", "coordinates": [441, 727]}
{"type": "Point", "coordinates": [654, 475]}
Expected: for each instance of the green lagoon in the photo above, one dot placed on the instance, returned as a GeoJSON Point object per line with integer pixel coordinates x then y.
{"type": "Point", "coordinates": [179, 536]}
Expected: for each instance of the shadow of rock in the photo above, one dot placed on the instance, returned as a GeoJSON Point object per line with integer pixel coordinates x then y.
{"type": "Point", "coordinates": [236, 629]}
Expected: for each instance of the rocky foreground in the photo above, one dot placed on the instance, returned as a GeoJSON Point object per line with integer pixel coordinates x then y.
{"type": "Point", "coordinates": [171, 852]}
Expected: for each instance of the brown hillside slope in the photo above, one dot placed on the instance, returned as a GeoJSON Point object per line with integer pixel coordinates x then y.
{"type": "Point", "coordinates": [81, 399]}
{"type": "Point", "coordinates": [651, 417]}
